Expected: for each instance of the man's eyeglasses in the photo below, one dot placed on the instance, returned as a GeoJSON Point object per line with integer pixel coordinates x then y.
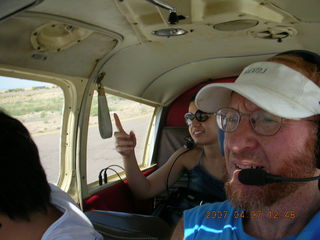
{"type": "Point", "coordinates": [262, 122]}
{"type": "Point", "coordinates": [199, 115]}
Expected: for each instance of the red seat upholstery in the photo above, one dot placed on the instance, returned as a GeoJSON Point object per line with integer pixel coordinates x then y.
{"type": "Point", "coordinates": [118, 197]}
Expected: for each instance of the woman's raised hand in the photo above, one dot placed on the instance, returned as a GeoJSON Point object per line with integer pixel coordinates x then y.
{"type": "Point", "coordinates": [125, 143]}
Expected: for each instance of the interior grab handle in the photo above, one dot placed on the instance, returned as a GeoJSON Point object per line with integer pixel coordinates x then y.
{"type": "Point", "coordinates": [104, 120]}
{"type": "Point", "coordinates": [162, 5]}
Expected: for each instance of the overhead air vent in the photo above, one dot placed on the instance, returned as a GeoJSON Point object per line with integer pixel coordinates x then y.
{"type": "Point", "coordinates": [56, 36]}
{"type": "Point", "coordinates": [236, 25]}
{"type": "Point", "coordinates": [276, 33]}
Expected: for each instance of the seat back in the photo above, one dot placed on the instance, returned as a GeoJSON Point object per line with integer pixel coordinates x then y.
{"type": "Point", "coordinates": [171, 139]}
{"type": "Point", "coordinates": [119, 225]}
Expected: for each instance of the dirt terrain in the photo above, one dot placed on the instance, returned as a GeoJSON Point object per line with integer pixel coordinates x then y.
{"type": "Point", "coordinates": [40, 109]}
{"type": "Point", "coordinates": [27, 106]}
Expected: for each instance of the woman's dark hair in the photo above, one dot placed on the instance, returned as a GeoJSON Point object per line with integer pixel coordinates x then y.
{"type": "Point", "coordinates": [23, 182]}
{"type": "Point", "coordinates": [193, 98]}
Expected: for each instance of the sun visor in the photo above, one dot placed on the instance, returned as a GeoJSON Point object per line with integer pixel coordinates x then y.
{"type": "Point", "coordinates": [9, 8]}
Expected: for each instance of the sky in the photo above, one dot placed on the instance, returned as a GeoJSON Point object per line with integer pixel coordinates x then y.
{"type": "Point", "coordinates": [12, 83]}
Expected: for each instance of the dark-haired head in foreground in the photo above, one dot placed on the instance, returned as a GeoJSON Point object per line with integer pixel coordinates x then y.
{"type": "Point", "coordinates": [30, 207]}
{"type": "Point", "coordinates": [23, 183]}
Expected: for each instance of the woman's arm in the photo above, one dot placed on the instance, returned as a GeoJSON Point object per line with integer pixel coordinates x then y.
{"type": "Point", "coordinates": [125, 144]}
{"type": "Point", "coordinates": [170, 171]}
{"type": "Point", "coordinates": [154, 184]}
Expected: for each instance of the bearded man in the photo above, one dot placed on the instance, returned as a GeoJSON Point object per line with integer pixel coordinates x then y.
{"type": "Point", "coordinates": [270, 116]}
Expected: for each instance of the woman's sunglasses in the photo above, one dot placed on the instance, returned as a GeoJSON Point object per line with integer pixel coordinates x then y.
{"type": "Point", "coordinates": [199, 115]}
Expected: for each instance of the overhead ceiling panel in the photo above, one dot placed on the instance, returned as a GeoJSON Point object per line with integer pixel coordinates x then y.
{"type": "Point", "coordinates": [77, 56]}
{"type": "Point", "coordinates": [298, 9]}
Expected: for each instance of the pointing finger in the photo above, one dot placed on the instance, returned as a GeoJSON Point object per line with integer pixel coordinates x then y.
{"type": "Point", "coordinates": [118, 123]}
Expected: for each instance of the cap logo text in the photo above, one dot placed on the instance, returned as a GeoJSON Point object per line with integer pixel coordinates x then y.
{"type": "Point", "coordinates": [256, 70]}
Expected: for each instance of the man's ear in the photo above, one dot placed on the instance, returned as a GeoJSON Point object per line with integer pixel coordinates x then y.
{"type": "Point", "coordinates": [317, 147]}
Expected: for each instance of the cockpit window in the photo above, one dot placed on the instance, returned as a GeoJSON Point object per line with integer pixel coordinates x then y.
{"type": "Point", "coordinates": [101, 153]}
{"type": "Point", "coordinates": [39, 106]}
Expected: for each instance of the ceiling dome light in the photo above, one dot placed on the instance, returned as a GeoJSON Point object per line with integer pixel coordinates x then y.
{"type": "Point", "coordinates": [169, 32]}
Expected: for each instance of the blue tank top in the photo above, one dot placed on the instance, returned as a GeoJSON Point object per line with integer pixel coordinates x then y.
{"type": "Point", "coordinates": [195, 187]}
{"type": "Point", "coordinates": [221, 221]}
{"type": "Point", "coordinates": [202, 182]}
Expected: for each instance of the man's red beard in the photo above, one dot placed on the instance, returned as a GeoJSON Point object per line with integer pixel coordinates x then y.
{"type": "Point", "coordinates": [299, 165]}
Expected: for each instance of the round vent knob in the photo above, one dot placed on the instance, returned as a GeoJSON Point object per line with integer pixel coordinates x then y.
{"type": "Point", "coordinates": [277, 33]}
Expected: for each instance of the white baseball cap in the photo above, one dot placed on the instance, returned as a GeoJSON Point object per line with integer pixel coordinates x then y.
{"type": "Point", "coordinates": [272, 86]}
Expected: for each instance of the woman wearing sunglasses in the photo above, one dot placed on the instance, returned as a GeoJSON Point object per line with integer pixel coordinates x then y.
{"type": "Point", "coordinates": [203, 162]}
